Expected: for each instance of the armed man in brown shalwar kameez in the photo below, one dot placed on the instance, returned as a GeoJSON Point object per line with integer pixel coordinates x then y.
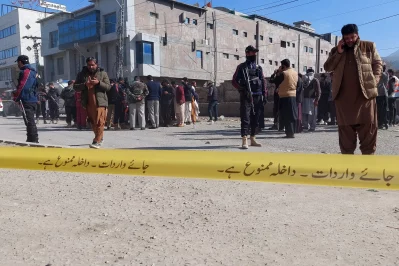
{"type": "Point", "coordinates": [357, 68]}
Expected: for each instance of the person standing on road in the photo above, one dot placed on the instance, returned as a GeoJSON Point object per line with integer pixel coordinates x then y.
{"type": "Point", "coordinates": [26, 95]}
{"type": "Point", "coordinates": [382, 100]}
{"type": "Point", "coordinates": [81, 114]}
{"type": "Point", "coordinates": [41, 104]}
{"type": "Point", "coordinates": [213, 102]}
{"type": "Point", "coordinates": [153, 98]}
{"type": "Point", "coordinates": [357, 69]}
{"type": "Point", "coordinates": [112, 98]}
{"type": "Point", "coordinates": [188, 97]}
{"type": "Point", "coordinates": [94, 84]}
{"type": "Point", "coordinates": [299, 100]}
{"type": "Point", "coordinates": [167, 100]}
{"type": "Point", "coordinates": [331, 105]}
{"type": "Point", "coordinates": [53, 100]}
{"type": "Point", "coordinates": [180, 106]}
{"type": "Point", "coordinates": [393, 94]}
{"type": "Point", "coordinates": [249, 80]}
{"type": "Point", "coordinates": [68, 95]}
{"type": "Point", "coordinates": [276, 98]}
{"type": "Point", "coordinates": [322, 108]}
{"type": "Point", "coordinates": [136, 94]}
{"type": "Point", "coordinates": [288, 80]}
{"type": "Point", "coordinates": [311, 97]}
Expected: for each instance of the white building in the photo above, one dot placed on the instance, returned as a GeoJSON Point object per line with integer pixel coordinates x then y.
{"type": "Point", "coordinates": [14, 25]}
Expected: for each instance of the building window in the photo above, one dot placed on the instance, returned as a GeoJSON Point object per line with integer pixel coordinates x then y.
{"type": "Point", "coordinates": [283, 44]}
{"type": "Point", "coordinates": [187, 21]}
{"type": "Point", "coordinates": [326, 52]}
{"type": "Point", "coordinates": [60, 66]}
{"type": "Point", "coordinates": [237, 57]}
{"type": "Point", "coordinates": [322, 51]}
{"type": "Point", "coordinates": [154, 15]}
{"type": "Point", "coordinates": [288, 44]}
{"type": "Point", "coordinates": [5, 74]}
{"type": "Point", "coordinates": [209, 26]}
{"type": "Point", "coordinates": [305, 49]}
{"type": "Point", "coordinates": [53, 36]}
{"type": "Point", "coordinates": [145, 53]}
{"type": "Point", "coordinates": [81, 28]}
{"type": "Point", "coordinates": [255, 36]}
{"type": "Point", "coordinates": [7, 53]}
{"type": "Point", "coordinates": [226, 56]}
{"type": "Point", "coordinates": [110, 23]}
{"type": "Point", "coordinates": [305, 68]}
{"type": "Point", "coordinates": [276, 63]}
{"type": "Point", "coordinates": [4, 33]}
{"type": "Point", "coordinates": [293, 45]}
{"type": "Point", "coordinates": [195, 22]}
{"type": "Point", "coordinates": [235, 32]}
{"type": "Point", "coordinates": [321, 69]}
{"type": "Point", "coordinates": [270, 62]}
{"type": "Point", "coordinates": [310, 50]}
{"type": "Point", "coordinates": [199, 56]}
{"type": "Point", "coordinates": [270, 40]}
{"type": "Point", "coordinates": [262, 61]}
{"type": "Point", "coordinates": [293, 65]}
{"type": "Point", "coordinates": [245, 34]}
{"type": "Point", "coordinates": [261, 37]}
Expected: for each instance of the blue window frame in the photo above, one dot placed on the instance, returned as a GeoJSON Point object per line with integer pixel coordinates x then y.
{"type": "Point", "coordinates": [84, 28]}
{"type": "Point", "coordinates": [199, 54]}
{"type": "Point", "coordinates": [8, 31]}
{"type": "Point", "coordinates": [7, 53]}
{"type": "Point", "coordinates": [53, 36]}
{"type": "Point", "coordinates": [110, 23]}
{"type": "Point", "coordinates": [145, 53]}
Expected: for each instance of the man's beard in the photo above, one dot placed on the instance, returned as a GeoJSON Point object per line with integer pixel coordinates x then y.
{"type": "Point", "coordinates": [92, 71]}
{"type": "Point", "coordinates": [251, 58]}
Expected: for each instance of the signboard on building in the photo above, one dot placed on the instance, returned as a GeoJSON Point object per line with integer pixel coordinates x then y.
{"type": "Point", "coordinates": [54, 6]}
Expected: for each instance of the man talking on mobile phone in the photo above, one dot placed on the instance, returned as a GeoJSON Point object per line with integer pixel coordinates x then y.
{"type": "Point", "coordinates": [357, 68]}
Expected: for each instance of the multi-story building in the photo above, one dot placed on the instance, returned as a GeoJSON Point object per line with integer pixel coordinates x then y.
{"type": "Point", "coordinates": [166, 38]}
{"type": "Point", "coordinates": [16, 23]}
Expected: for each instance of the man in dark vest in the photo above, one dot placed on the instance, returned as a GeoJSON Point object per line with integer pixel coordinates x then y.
{"type": "Point", "coordinates": [250, 82]}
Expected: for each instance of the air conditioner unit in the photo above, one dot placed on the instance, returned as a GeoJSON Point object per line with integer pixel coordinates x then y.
{"type": "Point", "coordinates": [205, 41]}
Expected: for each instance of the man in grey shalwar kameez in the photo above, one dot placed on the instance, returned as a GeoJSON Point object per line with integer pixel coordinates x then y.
{"type": "Point", "coordinates": [311, 96]}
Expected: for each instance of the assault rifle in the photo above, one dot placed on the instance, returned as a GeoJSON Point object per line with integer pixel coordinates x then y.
{"type": "Point", "coordinates": [248, 88]}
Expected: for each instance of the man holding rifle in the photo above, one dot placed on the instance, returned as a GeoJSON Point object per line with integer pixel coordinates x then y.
{"type": "Point", "coordinates": [250, 82]}
{"type": "Point", "coordinates": [25, 95]}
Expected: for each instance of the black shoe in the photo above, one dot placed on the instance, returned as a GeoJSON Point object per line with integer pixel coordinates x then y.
{"type": "Point", "coordinates": [45, 122]}
{"type": "Point", "coordinates": [143, 128]}
{"type": "Point", "coordinates": [132, 128]}
{"type": "Point", "coordinates": [311, 130]}
{"type": "Point", "coordinates": [385, 126]}
{"type": "Point", "coordinates": [290, 136]}
{"type": "Point", "coordinates": [331, 123]}
{"type": "Point", "coordinates": [188, 123]}
{"type": "Point", "coordinates": [153, 127]}
{"type": "Point", "coordinates": [95, 145]}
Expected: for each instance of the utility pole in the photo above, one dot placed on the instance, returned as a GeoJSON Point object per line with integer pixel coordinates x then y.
{"type": "Point", "coordinates": [35, 50]}
{"type": "Point", "coordinates": [257, 41]}
{"type": "Point", "coordinates": [215, 57]}
{"type": "Point", "coordinates": [121, 38]}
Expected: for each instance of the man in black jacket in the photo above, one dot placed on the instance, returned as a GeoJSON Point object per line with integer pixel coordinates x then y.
{"type": "Point", "coordinates": [213, 102]}
{"type": "Point", "coordinates": [167, 97]}
{"type": "Point", "coordinates": [112, 97]}
{"type": "Point", "coordinates": [53, 99]}
{"type": "Point", "coordinates": [68, 95]}
{"type": "Point", "coordinates": [323, 110]}
{"type": "Point", "coordinates": [299, 97]}
{"type": "Point", "coordinates": [188, 95]}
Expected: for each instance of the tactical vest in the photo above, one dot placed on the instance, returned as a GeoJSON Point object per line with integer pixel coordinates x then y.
{"type": "Point", "coordinates": [254, 80]}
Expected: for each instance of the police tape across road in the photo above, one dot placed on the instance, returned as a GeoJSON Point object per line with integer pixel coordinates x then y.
{"type": "Point", "coordinates": [310, 169]}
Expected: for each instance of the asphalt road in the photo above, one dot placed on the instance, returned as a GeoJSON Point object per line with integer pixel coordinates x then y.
{"type": "Point", "coordinates": [80, 219]}
{"type": "Point", "coordinates": [223, 135]}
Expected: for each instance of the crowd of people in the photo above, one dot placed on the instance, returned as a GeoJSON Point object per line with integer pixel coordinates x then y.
{"type": "Point", "coordinates": [358, 95]}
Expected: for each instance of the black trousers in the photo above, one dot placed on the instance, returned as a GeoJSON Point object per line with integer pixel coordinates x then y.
{"type": "Point", "coordinates": [54, 112]}
{"type": "Point", "coordinates": [31, 129]}
{"type": "Point", "coordinates": [70, 114]}
{"type": "Point", "coordinates": [213, 110]}
{"type": "Point", "coordinates": [249, 119]}
{"type": "Point", "coordinates": [166, 113]}
{"type": "Point", "coordinates": [333, 113]}
{"type": "Point", "coordinates": [43, 110]}
{"type": "Point", "coordinates": [323, 108]}
{"type": "Point", "coordinates": [275, 108]}
{"type": "Point", "coordinates": [289, 114]}
{"type": "Point", "coordinates": [392, 110]}
{"type": "Point", "coordinates": [119, 115]}
{"type": "Point", "coordinates": [262, 116]}
{"type": "Point", "coordinates": [382, 108]}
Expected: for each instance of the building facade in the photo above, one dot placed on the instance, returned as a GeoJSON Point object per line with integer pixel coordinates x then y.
{"type": "Point", "coordinates": [170, 39]}
{"type": "Point", "coordinates": [15, 25]}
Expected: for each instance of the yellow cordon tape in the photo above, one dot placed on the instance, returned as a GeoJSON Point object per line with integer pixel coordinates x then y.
{"type": "Point", "coordinates": [311, 169]}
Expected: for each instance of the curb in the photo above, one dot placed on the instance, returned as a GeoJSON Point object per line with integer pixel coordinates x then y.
{"type": "Point", "coordinates": [28, 144]}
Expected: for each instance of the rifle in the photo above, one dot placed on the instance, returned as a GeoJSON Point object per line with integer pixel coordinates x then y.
{"type": "Point", "coordinates": [21, 106]}
{"type": "Point", "coordinates": [248, 87]}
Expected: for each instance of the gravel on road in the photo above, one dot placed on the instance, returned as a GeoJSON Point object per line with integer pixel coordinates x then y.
{"type": "Point", "coordinates": [81, 219]}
